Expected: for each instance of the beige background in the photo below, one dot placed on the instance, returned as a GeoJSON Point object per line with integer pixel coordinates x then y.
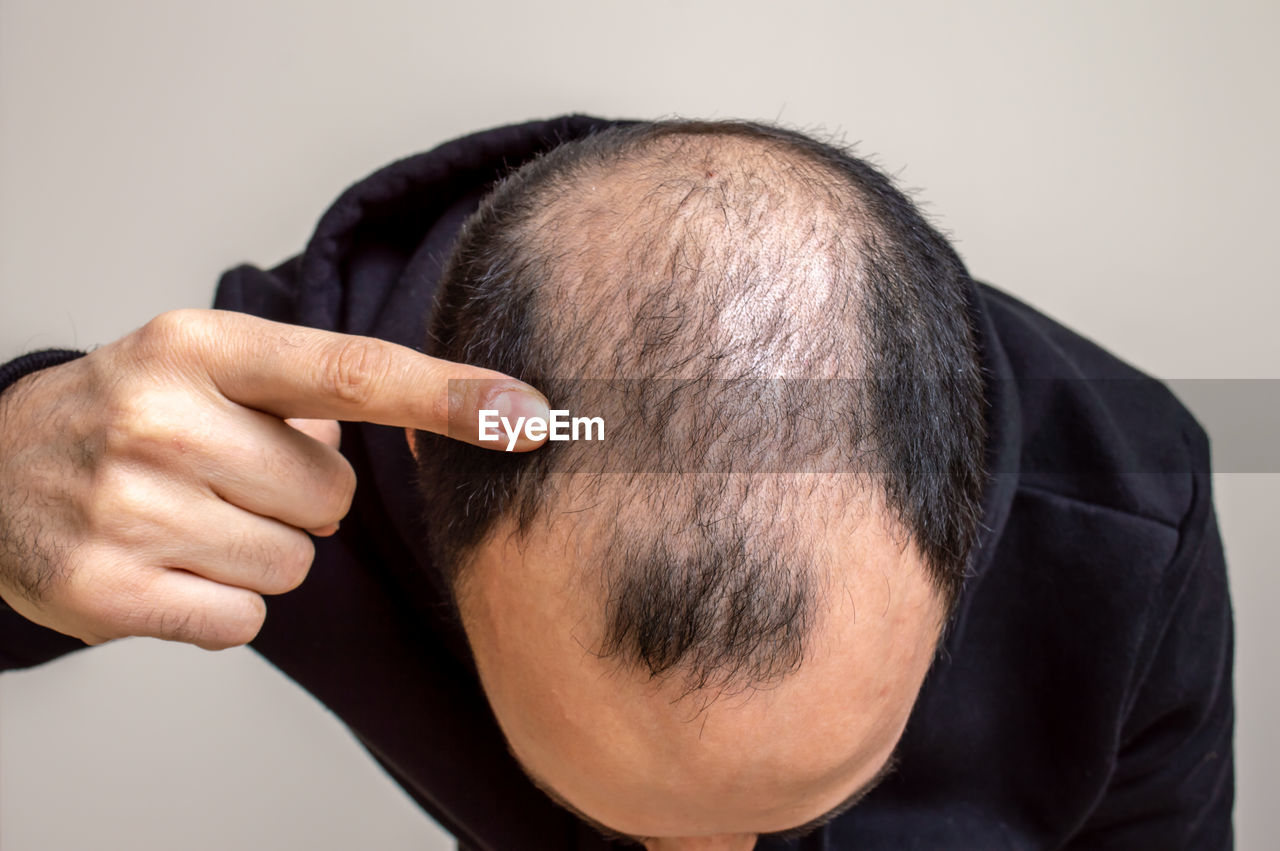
{"type": "Point", "coordinates": [1111, 162]}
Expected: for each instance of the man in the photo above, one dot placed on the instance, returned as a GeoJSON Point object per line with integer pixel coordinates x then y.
{"type": "Point", "coordinates": [860, 531]}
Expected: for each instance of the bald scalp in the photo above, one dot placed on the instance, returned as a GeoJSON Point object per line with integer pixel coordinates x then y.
{"type": "Point", "coordinates": [711, 290]}
{"type": "Point", "coordinates": [717, 255]}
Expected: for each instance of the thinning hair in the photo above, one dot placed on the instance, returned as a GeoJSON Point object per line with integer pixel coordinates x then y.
{"type": "Point", "coordinates": [755, 314]}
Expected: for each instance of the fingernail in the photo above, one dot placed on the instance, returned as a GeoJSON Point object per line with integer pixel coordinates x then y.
{"type": "Point", "coordinates": [513, 404]}
{"type": "Point", "coordinates": [516, 408]}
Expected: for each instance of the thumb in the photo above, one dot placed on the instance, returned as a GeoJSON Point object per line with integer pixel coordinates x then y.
{"type": "Point", "coordinates": [327, 432]}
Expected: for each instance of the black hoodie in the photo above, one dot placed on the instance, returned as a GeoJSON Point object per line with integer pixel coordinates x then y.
{"type": "Point", "coordinates": [1083, 694]}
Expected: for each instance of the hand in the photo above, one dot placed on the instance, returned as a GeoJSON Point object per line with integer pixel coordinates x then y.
{"type": "Point", "coordinates": [155, 487]}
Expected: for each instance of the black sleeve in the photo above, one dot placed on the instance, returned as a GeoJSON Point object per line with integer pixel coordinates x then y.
{"type": "Point", "coordinates": [1173, 783]}
{"type": "Point", "coordinates": [270, 294]}
{"type": "Point", "coordinates": [32, 362]}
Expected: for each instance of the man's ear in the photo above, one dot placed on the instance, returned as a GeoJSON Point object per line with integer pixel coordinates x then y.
{"type": "Point", "coordinates": [408, 434]}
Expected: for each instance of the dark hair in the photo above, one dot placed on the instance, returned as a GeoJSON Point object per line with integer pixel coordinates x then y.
{"type": "Point", "coordinates": [663, 274]}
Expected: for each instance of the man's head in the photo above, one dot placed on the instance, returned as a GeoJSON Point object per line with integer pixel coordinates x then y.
{"type": "Point", "coordinates": [714, 623]}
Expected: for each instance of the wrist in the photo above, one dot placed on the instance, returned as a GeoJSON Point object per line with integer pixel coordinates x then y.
{"type": "Point", "coordinates": [23, 366]}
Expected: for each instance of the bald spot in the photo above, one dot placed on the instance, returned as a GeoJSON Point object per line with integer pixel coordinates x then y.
{"type": "Point", "coordinates": [737, 255]}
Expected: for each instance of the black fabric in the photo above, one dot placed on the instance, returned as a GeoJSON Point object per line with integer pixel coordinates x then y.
{"type": "Point", "coordinates": [1083, 697]}
{"type": "Point", "coordinates": [33, 362]}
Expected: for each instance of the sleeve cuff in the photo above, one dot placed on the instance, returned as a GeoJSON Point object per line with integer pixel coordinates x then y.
{"type": "Point", "coordinates": [33, 362]}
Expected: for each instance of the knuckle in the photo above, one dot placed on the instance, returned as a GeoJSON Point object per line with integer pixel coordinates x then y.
{"type": "Point", "coordinates": [354, 369]}
{"type": "Point", "coordinates": [276, 566]}
{"type": "Point", "coordinates": [338, 491]}
{"type": "Point", "coordinates": [249, 623]}
{"type": "Point", "coordinates": [238, 625]}
{"type": "Point", "coordinates": [258, 558]}
{"type": "Point", "coordinates": [171, 329]}
{"type": "Point", "coordinates": [295, 563]}
{"type": "Point", "coordinates": [187, 625]}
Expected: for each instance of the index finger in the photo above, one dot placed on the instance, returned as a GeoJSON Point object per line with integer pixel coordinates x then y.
{"type": "Point", "coordinates": [292, 371]}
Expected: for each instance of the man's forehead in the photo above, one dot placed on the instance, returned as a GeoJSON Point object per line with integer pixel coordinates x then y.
{"type": "Point", "coordinates": [827, 813]}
